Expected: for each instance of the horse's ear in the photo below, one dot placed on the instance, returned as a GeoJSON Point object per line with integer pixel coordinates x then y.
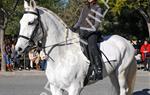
{"type": "Point", "coordinates": [29, 4]}
{"type": "Point", "coordinates": [32, 4]}
{"type": "Point", "coordinates": [26, 4]}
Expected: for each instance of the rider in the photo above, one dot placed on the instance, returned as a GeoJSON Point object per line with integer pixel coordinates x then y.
{"type": "Point", "coordinates": [88, 23]}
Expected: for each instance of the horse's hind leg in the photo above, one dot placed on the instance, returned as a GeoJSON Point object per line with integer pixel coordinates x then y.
{"type": "Point", "coordinates": [122, 82]}
{"type": "Point", "coordinates": [115, 84]}
{"type": "Point", "coordinates": [127, 78]}
{"type": "Point", "coordinates": [131, 77]}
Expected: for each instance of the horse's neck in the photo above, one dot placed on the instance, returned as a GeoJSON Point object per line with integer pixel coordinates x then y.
{"type": "Point", "coordinates": [57, 33]}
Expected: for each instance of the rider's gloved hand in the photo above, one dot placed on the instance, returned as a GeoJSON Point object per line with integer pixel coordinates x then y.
{"type": "Point", "coordinates": [73, 29]}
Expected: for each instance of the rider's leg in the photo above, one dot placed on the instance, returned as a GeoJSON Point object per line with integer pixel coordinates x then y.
{"type": "Point", "coordinates": [95, 56]}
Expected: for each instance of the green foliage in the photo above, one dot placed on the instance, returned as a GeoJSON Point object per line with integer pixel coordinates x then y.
{"type": "Point", "coordinates": [50, 4]}
{"type": "Point", "coordinates": [12, 27]}
{"type": "Point", "coordinates": [124, 19]}
{"type": "Point", "coordinates": [70, 14]}
{"type": "Point", "coordinates": [8, 4]}
{"type": "Point", "coordinates": [117, 5]}
{"type": "Point", "coordinates": [118, 19]}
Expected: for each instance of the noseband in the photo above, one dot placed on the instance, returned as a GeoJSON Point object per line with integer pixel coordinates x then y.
{"type": "Point", "coordinates": [37, 27]}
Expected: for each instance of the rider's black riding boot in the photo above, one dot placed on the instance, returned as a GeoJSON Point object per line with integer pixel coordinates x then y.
{"type": "Point", "coordinates": [95, 58]}
{"type": "Point", "coordinates": [98, 68]}
{"type": "Point", "coordinates": [95, 70]}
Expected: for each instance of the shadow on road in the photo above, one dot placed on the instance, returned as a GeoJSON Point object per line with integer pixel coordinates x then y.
{"type": "Point", "coordinates": [143, 92]}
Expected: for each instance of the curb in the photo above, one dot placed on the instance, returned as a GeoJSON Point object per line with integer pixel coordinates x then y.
{"type": "Point", "coordinates": [42, 73]}
{"type": "Point", "coordinates": [23, 73]}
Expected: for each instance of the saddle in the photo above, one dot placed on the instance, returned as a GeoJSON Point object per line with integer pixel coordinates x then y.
{"type": "Point", "coordinates": [84, 43]}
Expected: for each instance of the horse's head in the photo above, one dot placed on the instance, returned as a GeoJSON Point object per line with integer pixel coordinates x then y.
{"type": "Point", "coordinates": [30, 24]}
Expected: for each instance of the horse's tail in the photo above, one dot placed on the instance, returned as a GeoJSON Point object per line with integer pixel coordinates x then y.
{"type": "Point", "coordinates": [131, 76]}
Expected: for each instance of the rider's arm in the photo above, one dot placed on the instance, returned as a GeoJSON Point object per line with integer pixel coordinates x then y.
{"type": "Point", "coordinates": [77, 25]}
{"type": "Point", "coordinates": [96, 24]}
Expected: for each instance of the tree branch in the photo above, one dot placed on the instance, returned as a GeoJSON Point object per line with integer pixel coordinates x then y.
{"type": "Point", "coordinates": [5, 19]}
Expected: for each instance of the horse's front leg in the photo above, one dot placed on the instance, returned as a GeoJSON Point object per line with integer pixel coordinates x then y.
{"type": "Point", "coordinates": [55, 90]}
{"type": "Point", "coordinates": [75, 88]}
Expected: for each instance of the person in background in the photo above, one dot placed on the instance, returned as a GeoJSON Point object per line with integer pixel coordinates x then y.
{"type": "Point", "coordinates": [43, 61]}
{"type": "Point", "coordinates": [14, 58]}
{"type": "Point", "coordinates": [145, 51]}
{"type": "Point", "coordinates": [134, 42]}
{"type": "Point", "coordinates": [34, 58]}
{"type": "Point", "coordinates": [138, 58]}
{"type": "Point", "coordinates": [7, 56]}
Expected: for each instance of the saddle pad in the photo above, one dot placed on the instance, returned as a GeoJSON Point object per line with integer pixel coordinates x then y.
{"type": "Point", "coordinates": [109, 50]}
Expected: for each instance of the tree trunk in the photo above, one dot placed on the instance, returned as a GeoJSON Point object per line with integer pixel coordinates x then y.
{"type": "Point", "coordinates": [3, 65]}
{"type": "Point", "coordinates": [147, 19]}
{"type": "Point", "coordinates": [3, 21]}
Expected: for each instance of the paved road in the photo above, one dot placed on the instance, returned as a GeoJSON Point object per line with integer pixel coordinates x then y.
{"type": "Point", "coordinates": [33, 83]}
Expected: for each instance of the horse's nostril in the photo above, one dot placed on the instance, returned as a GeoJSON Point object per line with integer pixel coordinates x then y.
{"type": "Point", "coordinates": [19, 49]}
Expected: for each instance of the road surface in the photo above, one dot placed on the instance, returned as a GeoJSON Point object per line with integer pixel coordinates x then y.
{"type": "Point", "coordinates": [34, 83]}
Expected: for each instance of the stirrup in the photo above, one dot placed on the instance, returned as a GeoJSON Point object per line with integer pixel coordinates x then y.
{"type": "Point", "coordinates": [98, 73]}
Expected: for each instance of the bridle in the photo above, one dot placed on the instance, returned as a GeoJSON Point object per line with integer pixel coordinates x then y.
{"type": "Point", "coordinates": [37, 27]}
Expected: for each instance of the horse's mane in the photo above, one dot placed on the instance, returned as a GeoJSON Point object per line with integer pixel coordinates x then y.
{"type": "Point", "coordinates": [59, 20]}
{"type": "Point", "coordinates": [55, 15]}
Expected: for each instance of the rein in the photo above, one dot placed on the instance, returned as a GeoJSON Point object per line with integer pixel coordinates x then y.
{"type": "Point", "coordinates": [63, 43]}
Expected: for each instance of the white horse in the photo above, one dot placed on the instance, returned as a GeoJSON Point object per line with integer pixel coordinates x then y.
{"type": "Point", "coordinates": [67, 66]}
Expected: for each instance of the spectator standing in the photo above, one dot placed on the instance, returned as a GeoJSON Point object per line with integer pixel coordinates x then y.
{"type": "Point", "coordinates": [34, 57]}
{"type": "Point", "coordinates": [138, 58]}
{"type": "Point", "coordinates": [14, 58]}
{"type": "Point", "coordinates": [7, 56]}
{"type": "Point", "coordinates": [145, 50]}
{"type": "Point", "coordinates": [135, 45]}
{"type": "Point", "coordinates": [43, 61]}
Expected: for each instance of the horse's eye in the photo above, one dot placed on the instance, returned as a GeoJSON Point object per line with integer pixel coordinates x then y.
{"type": "Point", "coordinates": [33, 22]}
